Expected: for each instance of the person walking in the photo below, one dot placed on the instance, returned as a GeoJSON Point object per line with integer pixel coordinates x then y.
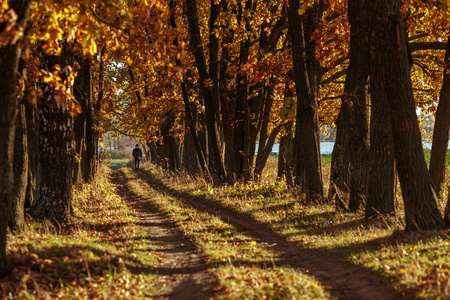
{"type": "Point", "coordinates": [137, 154]}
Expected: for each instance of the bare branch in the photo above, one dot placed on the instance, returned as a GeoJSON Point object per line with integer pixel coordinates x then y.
{"type": "Point", "coordinates": [333, 77]}
{"type": "Point", "coordinates": [416, 46]}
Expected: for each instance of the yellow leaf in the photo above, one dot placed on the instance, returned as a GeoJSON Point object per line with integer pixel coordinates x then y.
{"type": "Point", "coordinates": [47, 79]}
{"type": "Point", "coordinates": [5, 5]}
{"type": "Point", "coordinates": [93, 48]}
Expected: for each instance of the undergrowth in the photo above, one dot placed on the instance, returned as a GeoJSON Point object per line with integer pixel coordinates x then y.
{"type": "Point", "coordinates": [244, 269]}
{"type": "Point", "coordinates": [96, 258]}
{"type": "Point", "coordinates": [105, 255]}
{"type": "Point", "coordinates": [417, 261]}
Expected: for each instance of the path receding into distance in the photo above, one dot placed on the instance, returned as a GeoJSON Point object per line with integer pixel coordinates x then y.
{"type": "Point", "coordinates": [183, 273]}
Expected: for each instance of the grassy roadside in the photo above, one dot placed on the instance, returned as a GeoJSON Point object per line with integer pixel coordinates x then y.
{"type": "Point", "coordinates": [100, 257]}
{"type": "Point", "coordinates": [243, 269]}
{"type": "Point", "coordinates": [104, 255]}
{"type": "Point", "coordinates": [417, 261]}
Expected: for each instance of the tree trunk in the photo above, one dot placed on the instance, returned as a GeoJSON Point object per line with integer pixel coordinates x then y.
{"type": "Point", "coordinates": [169, 142]}
{"type": "Point", "coordinates": [79, 126]}
{"type": "Point", "coordinates": [9, 63]}
{"type": "Point", "coordinates": [32, 142]}
{"type": "Point", "coordinates": [389, 51]}
{"type": "Point", "coordinates": [308, 172]}
{"type": "Point", "coordinates": [190, 156]}
{"type": "Point", "coordinates": [441, 128]}
{"type": "Point", "coordinates": [216, 166]}
{"type": "Point", "coordinates": [285, 155]}
{"type": "Point", "coordinates": [91, 140]}
{"type": "Point", "coordinates": [17, 220]}
{"type": "Point", "coordinates": [262, 157]}
{"type": "Point", "coordinates": [350, 152]}
{"type": "Point", "coordinates": [355, 94]}
{"type": "Point", "coordinates": [56, 151]}
{"type": "Point", "coordinates": [381, 171]}
{"type": "Point", "coordinates": [153, 152]}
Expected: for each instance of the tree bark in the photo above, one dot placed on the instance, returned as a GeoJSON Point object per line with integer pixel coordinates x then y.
{"type": "Point", "coordinates": [17, 220]}
{"type": "Point", "coordinates": [91, 139]}
{"type": "Point", "coordinates": [350, 152]}
{"type": "Point", "coordinates": [308, 172]}
{"type": "Point", "coordinates": [355, 94]}
{"type": "Point", "coordinates": [32, 142]}
{"type": "Point", "coordinates": [285, 155]}
{"type": "Point", "coordinates": [389, 50]}
{"type": "Point", "coordinates": [441, 128]}
{"type": "Point", "coordinates": [9, 63]}
{"type": "Point", "coordinates": [381, 171]}
{"type": "Point", "coordinates": [79, 127]}
{"type": "Point", "coordinates": [56, 150]}
{"type": "Point", "coordinates": [216, 165]}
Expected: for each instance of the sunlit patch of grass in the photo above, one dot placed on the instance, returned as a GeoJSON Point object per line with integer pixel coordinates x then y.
{"type": "Point", "coordinates": [94, 258]}
{"type": "Point", "coordinates": [421, 261]}
{"type": "Point", "coordinates": [266, 283]}
{"type": "Point", "coordinates": [117, 163]}
{"type": "Point", "coordinates": [412, 263]}
{"type": "Point", "coordinates": [235, 259]}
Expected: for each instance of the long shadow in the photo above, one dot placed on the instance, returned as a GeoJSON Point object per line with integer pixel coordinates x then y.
{"type": "Point", "coordinates": [347, 281]}
{"type": "Point", "coordinates": [175, 241]}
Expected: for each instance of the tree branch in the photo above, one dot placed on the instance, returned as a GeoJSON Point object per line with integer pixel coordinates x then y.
{"type": "Point", "coordinates": [416, 46]}
{"type": "Point", "coordinates": [100, 19]}
{"type": "Point", "coordinates": [333, 77]}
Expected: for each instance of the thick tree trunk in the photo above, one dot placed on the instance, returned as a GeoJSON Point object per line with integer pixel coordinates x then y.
{"type": "Point", "coordinates": [9, 63]}
{"type": "Point", "coordinates": [381, 171]}
{"type": "Point", "coordinates": [216, 166]}
{"type": "Point", "coordinates": [350, 152]}
{"type": "Point", "coordinates": [308, 172]}
{"type": "Point", "coordinates": [17, 220]}
{"type": "Point", "coordinates": [56, 151]}
{"type": "Point", "coordinates": [441, 128]}
{"type": "Point", "coordinates": [340, 157]}
{"type": "Point", "coordinates": [389, 51]}
{"type": "Point", "coordinates": [355, 94]}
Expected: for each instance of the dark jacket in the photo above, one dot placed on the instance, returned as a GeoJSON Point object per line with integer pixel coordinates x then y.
{"type": "Point", "coordinates": [137, 153]}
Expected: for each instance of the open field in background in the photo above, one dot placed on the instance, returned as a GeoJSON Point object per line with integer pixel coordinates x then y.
{"type": "Point", "coordinates": [106, 254]}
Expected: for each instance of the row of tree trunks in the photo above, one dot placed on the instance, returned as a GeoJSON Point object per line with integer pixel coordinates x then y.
{"type": "Point", "coordinates": [9, 70]}
{"type": "Point", "coordinates": [388, 39]}
{"type": "Point", "coordinates": [308, 172]}
{"type": "Point", "coordinates": [216, 165]}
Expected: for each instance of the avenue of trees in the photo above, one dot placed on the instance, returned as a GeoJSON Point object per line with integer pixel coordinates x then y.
{"type": "Point", "coordinates": [201, 83]}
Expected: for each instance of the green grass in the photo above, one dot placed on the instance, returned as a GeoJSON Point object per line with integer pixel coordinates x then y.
{"type": "Point", "coordinates": [90, 260]}
{"type": "Point", "coordinates": [106, 255]}
{"type": "Point", "coordinates": [378, 245]}
{"type": "Point", "coordinates": [244, 270]}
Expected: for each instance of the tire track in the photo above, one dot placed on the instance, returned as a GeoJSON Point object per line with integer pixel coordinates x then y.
{"type": "Point", "coordinates": [182, 274]}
